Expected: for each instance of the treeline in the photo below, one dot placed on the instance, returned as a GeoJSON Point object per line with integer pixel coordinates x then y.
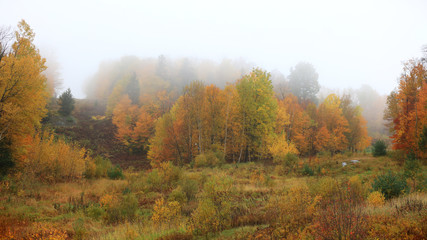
{"type": "Point", "coordinates": [244, 121]}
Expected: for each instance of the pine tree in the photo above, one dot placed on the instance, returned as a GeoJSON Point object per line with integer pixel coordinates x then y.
{"type": "Point", "coordinates": [66, 103]}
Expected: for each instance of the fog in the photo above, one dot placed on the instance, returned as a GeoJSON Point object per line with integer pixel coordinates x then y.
{"type": "Point", "coordinates": [349, 43]}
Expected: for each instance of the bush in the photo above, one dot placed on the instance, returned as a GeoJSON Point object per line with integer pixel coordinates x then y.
{"type": "Point", "coordinates": [177, 195]}
{"type": "Point", "coordinates": [390, 185]}
{"type": "Point", "coordinates": [125, 211]}
{"type": "Point", "coordinates": [163, 178]}
{"type": "Point", "coordinates": [6, 161]}
{"type": "Point", "coordinates": [79, 229]}
{"type": "Point", "coordinates": [98, 168]}
{"type": "Point", "coordinates": [213, 213]}
{"type": "Point", "coordinates": [166, 212]}
{"type": "Point", "coordinates": [190, 187]}
{"type": "Point", "coordinates": [307, 171]}
{"type": "Point", "coordinates": [115, 173]}
{"type": "Point", "coordinates": [380, 148]}
{"type": "Point", "coordinates": [412, 169]}
{"type": "Point", "coordinates": [289, 161]}
{"type": "Point", "coordinates": [376, 199]}
{"type": "Point", "coordinates": [341, 216]}
{"type": "Point", "coordinates": [211, 158]}
{"type": "Point", "coordinates": [292, 212]}
{"type": "Point", "coordinates": [95, 212]}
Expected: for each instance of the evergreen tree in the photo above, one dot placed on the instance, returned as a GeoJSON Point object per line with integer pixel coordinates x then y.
{"type": "Point", "coordinates": [66, 103]}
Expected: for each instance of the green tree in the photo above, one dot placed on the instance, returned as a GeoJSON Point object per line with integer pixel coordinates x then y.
{"type": "Point", "coordinates": [258, 112]}
{"type": "Point", "coordinates": [303, 82]}
{"type": "Point", "coordinates": [66, 103]}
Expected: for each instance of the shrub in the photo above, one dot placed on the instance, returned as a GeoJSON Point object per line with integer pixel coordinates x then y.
{"type": "Point", "coordinates": [307, 171]}
{"type": "Point", "coordinates": [119, 212]}
{"type": "Point", "coordinates": [412, 169]}
{"type": "Point", "coordinates": [177, 195]}
{"type": "Point", "coordinates": [341, 216]}
{"type": "Point", "coordinates": [398, 156]}
{"type": "Point", "coordinates": [190, 187]}
{"type": "Point", "coordinates": [52, 160]}
{"type": "Point", "coordinates": [376, 199]}
{"type": "Point", "coordinates": [210, 158]}
{"type": "Point", "coordinates": [390, 185]}
{"type": "Point", "coordinates": [213, 212]}
{"type": "Point", "coordinates": [6, 160]}
{"type": "Point", "coordinates": [290, 160]}
{"type": "Point", "coordinates": [380, 148]}
{"type": "Point", "coordinates": [166, 212]}
{"type": "Point", "coordinates": [292, 212]}
{"type": "Point", "coordinates": [115, 173]}
{"type": "Point", "coordinates": [79, 229]}
{"type": "Point", "coordinates": [98, 168]}
{"type": "Point", "coordinates": [163, 178]}
{"type": "Point", "coordinates": [95, 212]}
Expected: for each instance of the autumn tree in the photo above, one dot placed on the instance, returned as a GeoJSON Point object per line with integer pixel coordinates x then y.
{"type": "Point", "coordinates": [357, 135]}
{"type": "Point", "coordinates": [406, 109]}
{"type": "Point", "coordinates": [66, 103]}
{"type": "Point", "coordinates": [258, 110]}
{"type": "Point", "coordinates": [134, 124]}
{"type": "Point", "coordinates": [303, 82]}
{"type": "Point", "coordinates": [299, 126]}
{"type": "Point", "coordinates": [333, 126]}
{"type": "Point", "coordinates": [22, 85]}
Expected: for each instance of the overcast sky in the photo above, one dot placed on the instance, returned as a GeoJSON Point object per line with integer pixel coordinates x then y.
{"type": "Point", "coordinates": [349, 42]}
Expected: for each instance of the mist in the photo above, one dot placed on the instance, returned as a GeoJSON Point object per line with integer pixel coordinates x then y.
{"type": "Point", "coordinates": [349, 43]}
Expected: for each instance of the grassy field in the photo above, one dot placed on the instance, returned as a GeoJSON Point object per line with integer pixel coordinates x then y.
{"type": "Point", "coordinates": [232, 201]}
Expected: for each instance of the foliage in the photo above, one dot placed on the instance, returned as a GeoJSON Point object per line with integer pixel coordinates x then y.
{"type": "Point", "coordinates": [178, 195]}
{"type": "Point", "coordinates": [333, 126]}
{"type": "Point", "coordinates": [213, 212]}
{"type": "Point", "coordinates": [283, 152]}
{"type": "Point", "coordinates": [163, 178]}
{"type": "Point", "coordinates": [190, 187]}
{"type": "Point", "coordinates": [292, 211]}
{"type": "Point", "coordinates": [376, 199]}
{"type": "Point", "coordinates": [258, 111]}
{"type": "Point", "coordinates": [380, 148]}
{"type": "Point", "coordinates": [166, 212]}
{"type": "Point", "coordinates": [307, 170]}
{"type": "Point", "coordinates": [390, 184]}
{"type": "Point", "coordinates": [120, 211]}
{"type": "Point", "coordinates": [406, 112]}
{"type": "Point", "coordinates": [6, 160]}
{"type": "Point", "coordinates": [115, 172]}
{"type": "Point", "coordinates": [134, 124]}
{"type": "Point", "coordinates": [66, 103]}
{"type": "Point", "coordinates": [209, 159]}
{"type": "Point", "coordinates": [95, 212]}
{"type": "Point", "coordinates": [22, 87]}
{"type": "Point", "coordinates": [341, 215]}
{"type": "Point", "coordinates": [412, 169]}
{"type": "Point", "coordinates": [51, 160]}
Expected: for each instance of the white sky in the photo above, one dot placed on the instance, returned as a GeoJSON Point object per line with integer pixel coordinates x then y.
{"type": "Point", "coordinates": [349, 42]}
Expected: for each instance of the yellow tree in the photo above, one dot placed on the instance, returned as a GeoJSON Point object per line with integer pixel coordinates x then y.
{"type": "Point", "coordinates": [213, 116]}
{"type": "Point", "coordinates": [258, 110]}
{"type": "Point", "coordinates": [357, 136]}
{"type": "Point", "coordinates": [23, 91]}
{"type": "Point", "coordinates": [298, 127]}
{"type": "Point", "coordinates": [330, 117]}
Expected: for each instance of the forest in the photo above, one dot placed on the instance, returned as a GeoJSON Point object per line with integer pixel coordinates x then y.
{"type": "Point", "coordinates": [165, 148]}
